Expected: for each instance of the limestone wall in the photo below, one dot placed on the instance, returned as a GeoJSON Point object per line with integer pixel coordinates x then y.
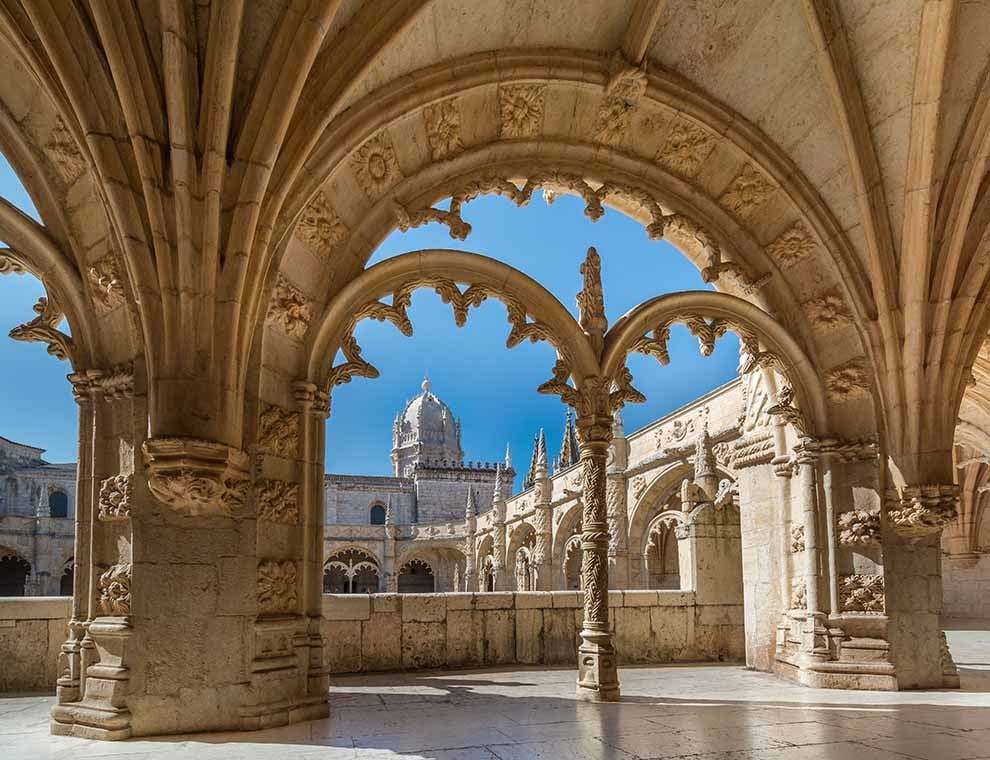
{"type": "Point", "coordinates": [32, 630]}
{"type": "Point", "coordinates": [408, 631]}
{"type": "Point", "coordinates": [966, 586]}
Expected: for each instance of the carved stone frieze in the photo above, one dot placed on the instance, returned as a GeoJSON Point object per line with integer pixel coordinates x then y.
{"type": "Point", "coordinates": [827, 313]}
{"type": "Point", "coordinates": [443, 129]}
{"type": "Point", "coordinates": [847, 381]}
{"type": "Point", "coordinates": [861, 593]}
{"type": "Point", "coordinates": [319, 227]}
{"type": "Point", "coordinates": [859, 527]}
{"type": "Point", "coordinates": [64, 152]}
{"type": "Point", "coordinates": [793, 245]}
{"type": "Point", "coordinates": [625, 88]}
{"type": "Point", "coordinates": [115, 497]}
{"type": "Point", "coordinates": [520, 109]}
{"type": "Point", "coordinates": [290, 309]}
{"type": "Point", "coordinates": [276, 586]}
{"type": "Point", "coordinates": [754, 449]}
{"type": "Point", "coordinates": [115, 383]}
{"type": "Point", "coordinates": [278, 502]}
{"type": "Point", "coordinates": [114, 589]}
{"type": "Point", "coordinates": [44, 329]}
{"type": "Point", "coordinates": [922, 510]}
{"type": "Point", "coordinates": [376, 166]}
{"type": "Point", "coordinates": [278, 430]}
{"type": "Point", "coordinates": [197, 477]}
{"type": "Point", "coordinates": [106, 282]}
{"type": "Point", "coordinates": [797, 539]}
{"type": "Point", "coordinates": [686, 149]}
{"type": "Point", "coordinates": [748, 191]}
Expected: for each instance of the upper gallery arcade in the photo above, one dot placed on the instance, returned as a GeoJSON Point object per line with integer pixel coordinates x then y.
{"type": "Point", "coordinates": [212, 179]}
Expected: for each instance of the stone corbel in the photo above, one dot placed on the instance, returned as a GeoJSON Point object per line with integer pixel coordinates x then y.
{"type": "Point", "coordinates": [923, 510]}
{"type": "Point", "coordinates": [197, 477]}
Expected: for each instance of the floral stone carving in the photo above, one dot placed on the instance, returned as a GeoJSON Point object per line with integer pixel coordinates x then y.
{"type": "Point", "coordinates": [797, 539]}
{"type": "Point", "coordinates": [793, 245]}
{"type": "Point", "coordinates": [320, 227]}
{"type": "Point", "coordinates": [376, 167]}
{"type": "Point", "coordinates": [847, 381]}
{"type": "Point", "coordinates": [197, 477]}
{"type": "Point", "coordinates": [278, 501]}
{"type": "Point", "coordinates": [799, 595]}
{"type": "Point", "coordinates": [107, 283]}
{"type": "Point", "coordinates": [443, 129]}
{"type": "Point", "coordinates": [623, 92]}
{"type": "Point", "coordinates": [923, 510]}
{"type": "Point", "coordinates": [827, 313]}
{"type": "Point", "coordinates": [859, 527]}
{"type": "Point", "coordinates": [290, 309]}
{"type": "Point", "coordinates": [115, 498]}
{"type": "Point", "coordinates": [520, 109]}
{"type": "Point", "coordinates": [278, 430]}
{"type": "Point", "coordinates": [861, 593]}
{"type": "Point", "coordinates": [276, 586]}
{"type": "Point", "coordinates": [747, 192]}
{"type": "Point", "coordinates": [114, 589]}
{"type": "Point", "coordinates": [686, 149]}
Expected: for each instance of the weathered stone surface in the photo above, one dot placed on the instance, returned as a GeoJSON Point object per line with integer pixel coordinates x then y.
{"type": "Point", "coordinates": [424, 645]}
{"type": "Point", "coordinates": [423, 608]}
{"type": "Point", "coordinates": [381, 642]}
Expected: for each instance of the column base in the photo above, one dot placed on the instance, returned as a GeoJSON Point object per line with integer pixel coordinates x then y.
{"type": "Point", "coordinates": [88, 722]}
{"type": "Point", "coordinates": [598, 674]}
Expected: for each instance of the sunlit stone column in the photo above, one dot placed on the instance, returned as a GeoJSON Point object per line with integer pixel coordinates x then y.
{"type": "Point", "coordinates": [542, 492]}
{"type": "Point", "coordinates": [598, 678]}
{"type": "Point", "coordinates": [814, 635]}
{"type": "Point", "coordinates": [616, 500]}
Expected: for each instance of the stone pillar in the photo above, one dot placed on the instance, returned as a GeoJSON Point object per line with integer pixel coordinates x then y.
{"type": "Point", "coordinates": [598, 678]}
{"type": "Point", "coordinates": [542, 522]}
{"type": "Point", "coordinates": [390, 573]}
{"type": "Point", "coordinates": [617, 507]}
{"type": "Point", "coordinates": [498, 534]}
{"type": "Point", "coordinates": [913, 519]}
{"type": "Point", "coordinates": [814, 633]}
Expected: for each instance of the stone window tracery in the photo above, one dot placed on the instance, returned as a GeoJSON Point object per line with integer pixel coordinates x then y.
{"type": "Point", "coordinates": [351, 572]}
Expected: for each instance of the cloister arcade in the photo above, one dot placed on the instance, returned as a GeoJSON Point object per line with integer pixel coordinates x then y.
{"type": "Point", "coordinates": [211, 185]}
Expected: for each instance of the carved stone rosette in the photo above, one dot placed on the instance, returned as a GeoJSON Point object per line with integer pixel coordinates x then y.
{"type": "Point", "coordinates": [859, 527]}
{"type": "Point", "coordinates": [922, 510]}
{"type": "Point", "coordinates": [115, 497]}
{"type": "Point", "coordinates": [197, 477]}
{"type": "Point", "coordinates": [276, 586]}
{"type": "Point", "coordinates": [861, 593]}
{"type": "Point", "coordinates": [278, 502]}
{"type": "Point", "coordinates": [115, 590]}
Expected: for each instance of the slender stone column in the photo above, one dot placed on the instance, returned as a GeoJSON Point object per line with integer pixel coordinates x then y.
{"type": "Point", "coordinates": [543, 554]}
{"type": "Point", "coordinates": [815, 635]}
{"type": "Point", "coordinates": [470, 543]}
{"type": "Point", "coordinates": [598, 678]}
{"type": "Point", "coordinates": [617, 508]}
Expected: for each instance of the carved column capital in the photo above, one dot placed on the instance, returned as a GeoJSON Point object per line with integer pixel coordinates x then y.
{"type": "Point", "coordinates": [311, 399]}
{"type": "Point", "coordinates": [195, 476]}
{"type": "Point", "coordinates": [917, 511]}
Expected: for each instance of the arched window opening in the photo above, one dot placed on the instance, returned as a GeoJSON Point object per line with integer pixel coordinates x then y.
{"type": "Point", "coordinates": [66, 582]}
{"type": "Point", "coordinates": [14, 571]}
{"type": "Point", "coordinates": [572, 564]}
{"type": "Point", "coordinates": [377, 515]}
{"type": "Point", "coordinates": [416, 577]}
{"type": "Point", "coordinates": [662, 560]}
{"type": "Point", "coordinates": [58, 504]}
{"type": "Point", "coordinates": [350, 572]}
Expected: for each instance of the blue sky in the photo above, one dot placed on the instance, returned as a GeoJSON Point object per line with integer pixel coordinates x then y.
{"type": "Point", "coordinates": [492, 389]}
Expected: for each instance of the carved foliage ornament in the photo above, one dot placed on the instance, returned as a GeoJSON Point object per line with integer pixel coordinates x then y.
{"type": "Point", "coordinates": [923, 510]}
{"type": "Point", "coordinates": [747, 192]}
{"type": "Point", "coordinates": [289, 309]}
{"type": "Point", "coordinates": [115, 497]}
{"type": "Point", "coordinates": [320, 227]}
{"type": "Point", "coordinates": [199, 492]}
{"type": "Point", "coordinates": [276, 586]}
{"type": "Point", "coordinates": [828, 312]}
{"type": "Point", "coordinates": [552, 183]}
{"type": "Point", "coordinates": [799, 595]}
{"type": "Point", "coordinates": [785, 409]}
{"type": "Point", "coordinates": [847, 381]}
{"type": "Point", "coordinates": [44, 329]}
{"type": "Point", "coordinates": [9, 264]}
{"type": "Point", "coordinates": [443, 129]}
{"type": "Point", "coordinates": [793, 245]}
{"type": "Point", "coordinates": [797, 539]}
{"type": "Point", "coordinates": [686, 149]}
{"type": "Point", "coordinates": [376, 166]}
{"type": "Point", "coordinates": [520, 109]}
{"type": "Point", "coordinates": [114, 588]}
{"type": "Point", "coordinates": [106, 282]}
{"type": "Point", "coordinates": [861, 593]}
{"type": "Point", "coordinates": [859, 527]}
{"type": "Point", "coordinates": [278, 502]}
{"type": "Point", "coordinates": [278, 430]}
{"type": "Point", "coordinates": [623, 92]}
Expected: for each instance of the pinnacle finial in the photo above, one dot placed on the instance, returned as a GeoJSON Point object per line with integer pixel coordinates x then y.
{"type": "Point", "coordinates": [389, 517]}
{"type": "Point", "coordinates": [426, 384]}
{"type": "Point", "coordinates": [591, 299]}
{"type": "Point", "coordinates": [497, 493]}
{"type": "Point", "coordinates": [541, 451]}
{"type": "Point", "coordinates": [508, 456]}
{"type": "Point", "coordinates": [471, 509]}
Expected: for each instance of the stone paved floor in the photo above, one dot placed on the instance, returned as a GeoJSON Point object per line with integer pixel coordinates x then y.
{"type": "Point", "coordinates": [713, 712]}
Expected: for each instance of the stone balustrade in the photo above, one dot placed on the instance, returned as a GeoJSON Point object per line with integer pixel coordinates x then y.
{"type": "Point", "coordinates": [32, 629]}
{"type": "Point", "coordinates": [409, 631]}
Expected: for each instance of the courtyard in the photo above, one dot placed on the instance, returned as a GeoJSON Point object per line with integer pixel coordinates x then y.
{"type": "Point", "coordinates": [710, 711]}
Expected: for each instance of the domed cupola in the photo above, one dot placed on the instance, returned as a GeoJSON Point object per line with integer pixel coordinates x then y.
{"type": "Point", "coordinates": [425, 431]}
